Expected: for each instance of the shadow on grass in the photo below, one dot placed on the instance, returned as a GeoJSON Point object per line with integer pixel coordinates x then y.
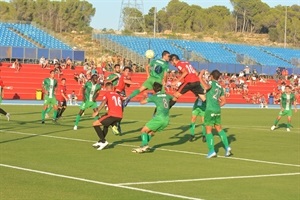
{"type": "Point", "coordinates": [231, 138]}
{"type": "Point", "coordinates": [30, 136]}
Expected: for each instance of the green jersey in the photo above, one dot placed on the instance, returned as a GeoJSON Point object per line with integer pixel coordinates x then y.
{"type": "Point", "coordinates": [90, 90]}
{"type": "Point", "coordinates": [212, 97]}
{"type": "Point", "coordinates": [161, 100]}
{"type": "Point", "coordinates": [112, 76]}
{"type": "Point", "coordinates": [50, 85]}
{"type": "Point", "coordinates": [158, 68]}
{"type": "Point", "coordinates": [287, 100]}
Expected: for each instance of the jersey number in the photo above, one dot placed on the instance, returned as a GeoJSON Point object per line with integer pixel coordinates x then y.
{"type": "Point", "coordinates": [217, 94]}
{"type": "Point", "coordinates": [166, 103]}
{"type": "Point", "coordinates": [117, 101]}
{"type": "Point", "coordinates": [190, 69]}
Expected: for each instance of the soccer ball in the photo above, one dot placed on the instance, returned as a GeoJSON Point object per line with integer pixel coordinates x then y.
{"type": "Point", "coordinates": [149, 54]}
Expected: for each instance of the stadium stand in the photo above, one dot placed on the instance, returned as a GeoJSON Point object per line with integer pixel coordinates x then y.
{"type": "Point", "coordinates": [209, 51]}
{"type": "Point", "coordinates": [26, 90]}
{"type": "Point", "coordinates": [14, 34]}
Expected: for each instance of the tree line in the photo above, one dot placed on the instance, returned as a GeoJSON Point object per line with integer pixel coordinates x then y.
{"type": "Point", "coordinates": [248, 16]}
{"type": "Point", "coordinates": [59, 16]}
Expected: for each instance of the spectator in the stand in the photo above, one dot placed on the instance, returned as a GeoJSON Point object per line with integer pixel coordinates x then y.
{"type": "Point", "coordinates": [134, 68]}
{"type": "Point", "coordinates": [285, 74]}
{"type": "Point", "coordinates": [73, 98]}
{"type": "Point", "coordinates": [227, 91]}
{"type": "Point", "coordinates": [69, 63]}
{"type": "Point", "coordinates": [254, 72]}
{"type": "Point", "coordinates": [247, 71]}
{"type": "Point", "coordinates": [241, 74]}
{"type": "Point", "coordinates": [263, 102]}
{"type": "Point", "coordinates": [16, 65]}
{"type": "Point", "coordinates": [55, 61]}
{"type": "Point", "coordinates": [47, 64]}
{"type": "Point", "coordinates": [42, 61]}
{"type": "Point", "coordinates": [253, 80]}
{"type": "Point", "coordinates": [63, 63]}
{"type": "Point", "coordinates": [262, 79]}
{"type": "Point", "coordinates": [58, 70]}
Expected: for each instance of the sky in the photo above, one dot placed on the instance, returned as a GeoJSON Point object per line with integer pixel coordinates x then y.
{"type": "Point", "coordinates": [108, 11]}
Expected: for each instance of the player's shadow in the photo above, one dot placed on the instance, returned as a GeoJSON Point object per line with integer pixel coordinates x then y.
{"type": "Point", "coordinates": [231, 138]}
{"type": "Point", "coordinates": [28, 113]}
{"type": "Point", "coordinates": [129, 132]}
{"type": "Point", "coordinates": [282, 125]}
{"type": "Point", "coordinates": [29, 137]}
{"type": "Point", "coordinates": [175, 115]}
{"type": "Point", "coordinates": [179, 137]}
{"type": "Point", "coordinates": [133, 139]}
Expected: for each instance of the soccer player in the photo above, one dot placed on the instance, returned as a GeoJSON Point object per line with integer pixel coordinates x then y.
{"type": "Point", "coordinates": [62, 98]}
{"type": "Point", "coordinates": [156, 72]}
{"type": "Point", "coordinates": [198, 110]}
{"type": "Point", "coordinates": [119, 82]}
{"type": "Point", "coordinates": [114, 115]}
{"type": "Point", "coordinates": [90, 91]}
{"type": "Point", "coordinates": [287, 99]}
{"type": "Point", "coordinates": [161, 119]}
{"type": "Point", "coordinates": [215, 99]}
{"type": "Point", "coordinates": [189, 80]}
{"type": "Point", "coordinates": [114, 77]}
{"type": "Point", "coordinates": [1, 96]}
{"type": "Point", "coordinates": [49, 89]}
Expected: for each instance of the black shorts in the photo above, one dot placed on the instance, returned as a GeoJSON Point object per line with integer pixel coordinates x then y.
{"type": "Point", "coordinates": [62, 103]}
{"type": "Point", "coordinates": [194, 87]}
{"type": "Point", "coordinates": [107, 120]}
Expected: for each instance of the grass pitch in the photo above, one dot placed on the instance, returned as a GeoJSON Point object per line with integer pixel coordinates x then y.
{"type": "Point", "coordinates": [52, 161]}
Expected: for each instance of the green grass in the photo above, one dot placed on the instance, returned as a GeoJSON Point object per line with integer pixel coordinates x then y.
{"type": "Point", "coordinates": [265, 164]}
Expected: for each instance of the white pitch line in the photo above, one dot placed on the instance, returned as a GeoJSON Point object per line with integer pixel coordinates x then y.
{"type": "Point", "coordinates": [161, 149]}
{"type": "Point", "coordinates": [98, 182]}
{"type": "Point", "coordinates": [211, 179]}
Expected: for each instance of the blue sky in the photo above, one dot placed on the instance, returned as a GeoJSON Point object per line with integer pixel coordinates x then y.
{"type": "Point", "coordinates": [108, 11]}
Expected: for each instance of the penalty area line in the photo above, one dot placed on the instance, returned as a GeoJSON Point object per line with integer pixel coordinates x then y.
{"type": "Point", "coordinates": [211, 179]}
{"type": "Point", "coordinates": [98, 182]}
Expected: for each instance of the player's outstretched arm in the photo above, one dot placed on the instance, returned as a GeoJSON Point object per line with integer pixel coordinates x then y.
{"type": "Point", "coordinates": [204, 84]}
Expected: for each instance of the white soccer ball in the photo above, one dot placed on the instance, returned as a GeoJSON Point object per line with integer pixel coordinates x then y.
{"type": "Point", "coordinates": [149, 54]}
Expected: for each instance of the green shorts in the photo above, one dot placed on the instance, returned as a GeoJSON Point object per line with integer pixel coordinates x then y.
{"type": "Point", "coordinates": [88, 104]}
{"type": "Point", "coordinates": [198, 112]}
{"type": "Point", "coordinates": [157, 124]}
{"type": "Point", "coordinates": [150, 81]}
{"type": "Point", "coordinates": [288, 113]}
{"type": "Point", "coordinates": [50, 101]}
{"type": "Point", "coordinates": [211, 119]}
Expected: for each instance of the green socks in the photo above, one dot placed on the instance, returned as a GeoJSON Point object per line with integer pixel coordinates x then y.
{"type": "Point", "coordinates": [224, 139]}
{"type": "Point", "coordinates": [276, 122]}
{"type": "Point", "coordinates": [192, 128]}
{"type": "Point", "coordinates": [288, 125]}
{"type": "Point", "coordinates": [54, 114]}
{"type": "Point", "coordinates": [77, 119]}
{"type": "Point", "coordinates": [210, 142]}
{"type": "Point", "coordinates": [145, 139]}
{"type": "Point", "coordinates": [134, 93]}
